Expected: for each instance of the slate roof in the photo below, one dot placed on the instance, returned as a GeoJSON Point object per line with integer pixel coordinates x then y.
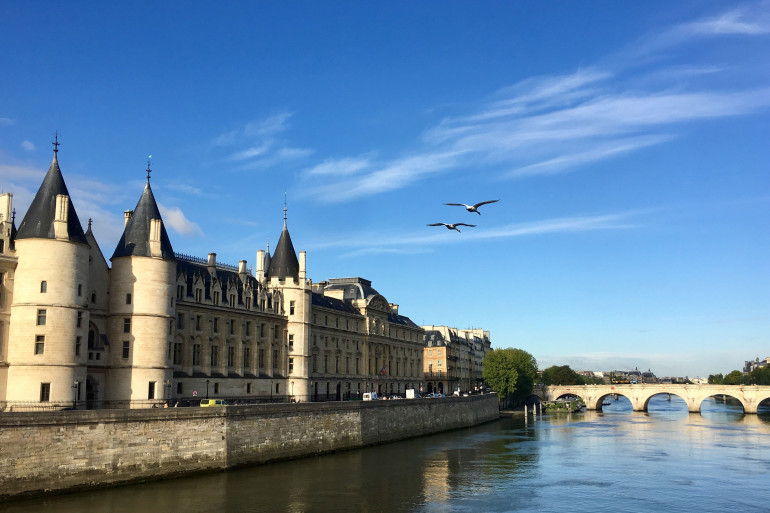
{"type": "Point", "coordinates": [225, 277]}
{"type": "Point", "coordinates": [136, 235]}
{"type": "Point", "coordinates": [333, 304]}
{"type": "Point", "coordinates": [38, 221]}
{"type": "Point", "coordinates": [402, 320]}
{"type": "Point", "coordinates": [353, 288]}
{"type": "Point", "coordinates": [284, 262]}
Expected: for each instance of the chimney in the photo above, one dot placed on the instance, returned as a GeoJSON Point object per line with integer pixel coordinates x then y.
{"type": "Point", "coordinates": [260, 264]}
{"type": "Point", "coordinates": [126, 216]}
{"type": "Point", "coordinates": [302, 272]}
{"type": "Point", "coordinates": [61, 215]}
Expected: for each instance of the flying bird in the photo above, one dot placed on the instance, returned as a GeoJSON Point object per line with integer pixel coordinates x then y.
{"type": "Point", "coordinates": [452, 226]}
{"type": "Point", "coordinates": [472, 208]}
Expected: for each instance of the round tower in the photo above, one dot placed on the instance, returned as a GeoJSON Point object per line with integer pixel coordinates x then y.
{"type": "Point", "coordinates": [49, 315]}
{"type": "Point", "coordinates": [141, 308]}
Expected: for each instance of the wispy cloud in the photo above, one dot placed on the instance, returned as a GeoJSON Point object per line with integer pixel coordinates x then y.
{"type": "Point", "coordinates": [7, 121]}
{"type": "Point", "coordinates": [27, 145]}
{"type": "Point", "coordinates": [554, 124]}
{"type": "Point", "coordinates": [419, 241]}
{"type": "Point", "coordinates": [175, 218]}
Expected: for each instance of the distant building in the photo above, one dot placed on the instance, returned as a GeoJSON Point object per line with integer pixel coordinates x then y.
{"type": "Point", "coordinates": [750, 365]}
{"type": "Point", "coordinates": [454, 358]}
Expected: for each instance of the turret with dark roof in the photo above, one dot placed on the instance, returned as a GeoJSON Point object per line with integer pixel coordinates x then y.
{"type": "Point", "coordinates": [284, 263]}
{"type": "Point", "coordinates": [38, 223]}
{"type": "Point", "coordinates": [136, 235]}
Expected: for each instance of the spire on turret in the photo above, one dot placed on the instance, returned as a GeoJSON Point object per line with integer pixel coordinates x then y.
{"type": "Point", "coordinates": [138, 233]}
{"type": "Point", "coordinates": [284, 262]}
{"type": "Point", "coordinates": [42, 216]}
{"type": "Point", "coordinates": [148, 169]}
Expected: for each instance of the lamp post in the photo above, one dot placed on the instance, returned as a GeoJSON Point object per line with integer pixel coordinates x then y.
{"type": "Point", "coordinates": [167, 383]}
{"type": "Point", "coordinates": [207, 389]}
{"type": "Point", "coordinates": [75, 386]}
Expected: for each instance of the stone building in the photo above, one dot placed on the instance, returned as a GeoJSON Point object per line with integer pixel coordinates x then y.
{"type": "Point", "coordinates": [156, 326]}
{"type": "Point", "coordinates": [454, 358]}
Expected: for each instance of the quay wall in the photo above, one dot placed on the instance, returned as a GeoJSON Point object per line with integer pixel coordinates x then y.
{"type": "Point", "coordinates": [48, 452]}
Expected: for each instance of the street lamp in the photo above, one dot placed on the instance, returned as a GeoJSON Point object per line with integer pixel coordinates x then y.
{"type": "Point", "coordinates": [75, 386]}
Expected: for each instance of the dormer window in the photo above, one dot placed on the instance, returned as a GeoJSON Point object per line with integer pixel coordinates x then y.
{"type": "Point", "coordinates": [43, 287]}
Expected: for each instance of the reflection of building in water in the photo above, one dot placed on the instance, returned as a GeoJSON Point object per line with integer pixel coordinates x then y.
{"type": "Point", "coordinates": [436, 474]}
{"type": "Point", "coordinates": [454, 358]}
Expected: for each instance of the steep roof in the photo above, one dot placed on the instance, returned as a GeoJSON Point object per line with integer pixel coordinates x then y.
{"type": "Point", "coordinates": [284, 263]}
{"type": "Point", "coordinates": [135, 240]}
{"type": "Point", "coordinates": [353, 288]}
{"type": "Point", "coordinates": [38, 223]}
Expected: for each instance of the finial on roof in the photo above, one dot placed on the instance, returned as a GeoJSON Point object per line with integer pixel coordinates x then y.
{"type": "Point", "coordinates": [13, 219]}
{"type": "Point", "coordinates": [148, 169]}
{"type": "Point", "coordinates": [89, 223]}
{"type": "Point", "coordinates": [55, 145]}
{"type": "Point", "coordinates": [284, 208]}
{"type": "Point", "coordinates": [268, 246]}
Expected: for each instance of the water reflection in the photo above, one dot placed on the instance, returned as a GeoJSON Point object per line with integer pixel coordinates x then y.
{"type": "Point", "coordinates": [612, 460]}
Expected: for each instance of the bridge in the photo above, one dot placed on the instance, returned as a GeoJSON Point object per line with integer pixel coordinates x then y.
{"type": "Point", "coordinates": [639, 395]}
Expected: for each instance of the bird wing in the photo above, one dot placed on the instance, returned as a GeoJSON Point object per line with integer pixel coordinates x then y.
{"type": "Point", "coordinates": [438, 224]}
{"type": "Point", "coordinates": [477, 205]}
{"type": "Point", "coordinates": [463, 224]}
{"type": "Point", "coordinates": [456, 204]}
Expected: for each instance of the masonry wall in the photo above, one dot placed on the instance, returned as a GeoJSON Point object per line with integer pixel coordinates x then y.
{"type": "Point", "coordinates": [56, 451]}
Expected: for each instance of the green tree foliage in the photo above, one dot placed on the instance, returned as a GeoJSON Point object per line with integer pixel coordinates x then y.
{"type": "Point", "coordinates": [759, 376]}
{"type": "Point", "coordinates": [734, 378]}
{"type": "Point", "coordinates": [511, 373]}
{"type": "Point", "coordinates": [716, 379]}
{"type": "Point", "coordinates": [561, 375]}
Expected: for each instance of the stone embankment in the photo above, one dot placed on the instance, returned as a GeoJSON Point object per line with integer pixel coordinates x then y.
{"type": "Point", "coordinates": [70, 450]}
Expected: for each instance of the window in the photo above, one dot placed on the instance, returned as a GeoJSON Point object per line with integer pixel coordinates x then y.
{"type": "Point", "coordinates": [80, 290]}
{"type": "Point", "coordinates": [196, 356]}
{"type": "Point", "coordinates": [230, 356]}
{"type": "Point", "coordinates": [232, 300]}
{"type": "Point", "coordinates": [180, 291]}
{"type": "Point", "coordinates": [126, 349]}
{"type": "Point", "coordinates": [216, 298]}
{"type": "Point", "coordinates": [216, 324]}
{"type": "Point", "coordinates": [39, 344]}
{"type": "Point", "coordinates": [78, 343]}
{"type": "Point", "coordinates": [216, 388]}
{"type": "Point", "coordinates": [179, 322]}
{"type": "Point", "coordinates": [41, 318]}
{"type": "Point", "coordinates": [248, 388]}
{"type": "Point", "coordinates": [336, 364]}
{"type": "Point", "coordinates": [93, 297]}
{"type": "Point", "coordinates": [232, 326]}
{"type": "Point", "coordinates": [248, 328]}
{"type": "Point", "coordinates": [291, 307]}
{"type": "Point", "coordinates": [127, 325]}
{"type": "Point", "coordinates": [179, 388]}
{"type": "Point", "coordinates": [291, 365]}
{"type": "Point", "coordinates": [275, 332]}
{"type": "Point", "coordinates": [246, 358]}
{"type": "Point", "coordinates": [151, 390]}
{"type": "Point", "coordinates": [275, 359]}
{"type": "Point", "coordinates": [45, 392]}
{"type": "Point", "coordinates": [43, 287]}
{"type": "Point", "coordinates": [197, 323]}
{"type": "Point", "coordinates": [214, 356]}
{"type": "Point", "coordinates": [80, 319]}
{"type": "Point", "coordinates": [262, 358]}
{"type": "Point", "coordinates": [315, 363]}
{"type": "Point", "coordinates": [178, 353]}
{"type": "Point", "coordinates": [128, 299]}
{"type": "Point", "coordinates": [291, 342]}
{"type": "Point", "coordinates": [262, 329]}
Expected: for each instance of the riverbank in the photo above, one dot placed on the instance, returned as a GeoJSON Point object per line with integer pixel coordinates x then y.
{"type": "Point", "coordinates": [70, 450]}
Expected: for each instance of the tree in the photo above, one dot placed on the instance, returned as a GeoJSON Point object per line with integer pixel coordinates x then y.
{"type": "Point", "coordinates": [561, 375]}
{"type": "Point", "coordinates": [760, 376]}
{"type": "Point", "coordinates": [716, 379]}
{"type": "Point", "coordinates": [511, 373]}
{"type": "Point", "coordinates": [734, 378]}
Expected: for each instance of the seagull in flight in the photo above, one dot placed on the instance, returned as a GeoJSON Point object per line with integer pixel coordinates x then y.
{"type": "Point", "coordinates": [452, 226]}
{"type": "Point", "coordinates": [472, 208]}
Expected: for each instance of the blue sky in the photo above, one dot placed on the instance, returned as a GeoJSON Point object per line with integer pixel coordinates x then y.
{"type": "Point", "coordinates": [626, 142]}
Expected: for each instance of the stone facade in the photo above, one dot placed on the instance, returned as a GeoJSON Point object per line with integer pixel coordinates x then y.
{"type": "Point", "coordinates": [81, 449]}
{"type": "Point", "coordinates": [454, 358]}
{"type": "Point", "coordinates": [152, 326]}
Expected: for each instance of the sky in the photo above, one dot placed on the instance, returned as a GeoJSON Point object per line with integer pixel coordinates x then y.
{"type": "Point", "coordinates": [627, 143]}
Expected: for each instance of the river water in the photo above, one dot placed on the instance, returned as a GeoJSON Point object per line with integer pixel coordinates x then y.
{"type": "Point", "coordinates": [616, 460]}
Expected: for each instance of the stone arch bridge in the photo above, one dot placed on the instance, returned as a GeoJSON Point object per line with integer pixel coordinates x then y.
{"type": "Point", "coordinates": [639, 395]}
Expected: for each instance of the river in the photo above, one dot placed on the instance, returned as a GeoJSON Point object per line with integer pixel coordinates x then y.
{"type": "Point", "coordinates": [616, 460]}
